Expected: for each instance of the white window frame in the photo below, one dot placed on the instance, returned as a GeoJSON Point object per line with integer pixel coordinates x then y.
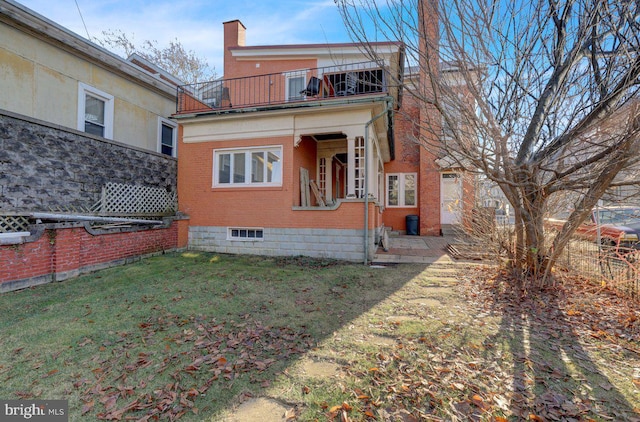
{"type": "Point", "coordinates": [83, 91]}
{"type": "Point", "coordinates": [167, 122]}
{"type": "Point", "coordinates": [247, 231]}
{"type": "Point", "coordinates": [295, 75]}
{"type": "Point", "coordinates": [401, 189]}
{"type": "Point", "coordinates": [277, 177]}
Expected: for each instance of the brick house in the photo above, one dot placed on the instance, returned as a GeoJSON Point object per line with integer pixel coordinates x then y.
{"type": "Point", "coordinates": [300, 150]}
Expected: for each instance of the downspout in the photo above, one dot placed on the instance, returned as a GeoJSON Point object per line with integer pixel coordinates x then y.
{"type": "Point", "coordinates": [366, 181]}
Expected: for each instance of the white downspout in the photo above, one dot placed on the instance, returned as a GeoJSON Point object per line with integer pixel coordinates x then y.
{"type": "Point", "coordinates": [366, 181]}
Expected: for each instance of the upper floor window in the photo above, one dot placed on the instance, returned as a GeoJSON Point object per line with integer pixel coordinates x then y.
{"type": "Point", "coordinates": [401, 190]}
{"type": "Point", "coordinates": [248, 167]}
{"type": "Point", "coordinates": [295, 86]}
{"type": "Point", "coordinates": [95, 111]}
{"type": "Point", "coordinates": [167, 137]}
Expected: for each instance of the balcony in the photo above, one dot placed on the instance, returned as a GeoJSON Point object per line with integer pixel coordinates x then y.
{"type": "Point", "coordinates": [285, 89]}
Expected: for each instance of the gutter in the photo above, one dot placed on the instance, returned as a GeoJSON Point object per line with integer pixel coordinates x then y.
{"type": "Point", "coordinates": [366, 180]}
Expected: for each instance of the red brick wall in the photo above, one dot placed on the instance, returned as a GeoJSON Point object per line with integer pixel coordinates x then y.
{"type": "Point", "coordinates": [407, 159]}
{"type": "Point", "coordinates": [254, 207]}
{"type": "Point", "coordinates": [70, 251]}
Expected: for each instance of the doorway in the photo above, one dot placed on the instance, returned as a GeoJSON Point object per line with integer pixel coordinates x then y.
{"type": "Point", "coordinates": [450, 198]}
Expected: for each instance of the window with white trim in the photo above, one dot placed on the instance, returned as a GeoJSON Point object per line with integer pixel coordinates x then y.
{"type": "Point", "coordinates": [95, 111]}
{"type": "Point", "coordinates": [295, 85]}
{"type": "Point", "coordinates": [247, 167]}
{"type": "Point", "coordinates": [401, 189]}
{"type": "Point", "coordinates": [167, 137]}
{"type": "Point", "coordinates": [245, 233]}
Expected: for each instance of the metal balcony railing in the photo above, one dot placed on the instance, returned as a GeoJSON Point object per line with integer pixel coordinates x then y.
{"type": "Point", "coordinates": [272, 89]}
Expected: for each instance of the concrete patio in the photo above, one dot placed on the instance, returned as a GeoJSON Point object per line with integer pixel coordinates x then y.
{"type": "Point", "coordinates": [415, 249]}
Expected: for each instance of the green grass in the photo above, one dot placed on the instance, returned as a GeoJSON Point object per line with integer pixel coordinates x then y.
{"type": "Point", "coordinates": [128, 334]}
{"type": "Point", "coordinates": [193, 335]}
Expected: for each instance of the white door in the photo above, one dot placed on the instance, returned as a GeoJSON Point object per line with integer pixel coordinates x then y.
{"type": "Point", "coordinates": [450, 198]}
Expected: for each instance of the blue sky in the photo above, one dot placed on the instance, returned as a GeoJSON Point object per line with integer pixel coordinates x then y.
{"type": "Point", "coordinates": [197, 24]}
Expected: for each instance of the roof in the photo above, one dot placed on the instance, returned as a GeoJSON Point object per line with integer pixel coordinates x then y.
{"type": "Point", "coordinates": [27, 20]}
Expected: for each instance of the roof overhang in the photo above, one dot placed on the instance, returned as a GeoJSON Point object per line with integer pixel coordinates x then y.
{"type": "Point", "coordinates": [346, 117]}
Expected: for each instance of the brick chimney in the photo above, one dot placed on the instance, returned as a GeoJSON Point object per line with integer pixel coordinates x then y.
{"type": "Point", "coordinates": [234, 36]}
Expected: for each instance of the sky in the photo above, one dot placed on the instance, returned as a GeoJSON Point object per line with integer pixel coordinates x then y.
{"type": "Point", "coordinates": [197, 24]}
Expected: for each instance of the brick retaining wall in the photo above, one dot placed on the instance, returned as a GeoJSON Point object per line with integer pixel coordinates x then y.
{"type": "Point", "coordinates": [57, 252]}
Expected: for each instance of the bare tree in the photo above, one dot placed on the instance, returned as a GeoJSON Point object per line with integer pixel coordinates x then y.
{"type": "Point", "coordinates": [539, 96]}
{"type": "Point", "coordinates": [174, 58]}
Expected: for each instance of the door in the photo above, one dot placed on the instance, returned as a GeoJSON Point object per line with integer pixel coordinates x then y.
{"type": "Point", "coordinates": [450, 198]}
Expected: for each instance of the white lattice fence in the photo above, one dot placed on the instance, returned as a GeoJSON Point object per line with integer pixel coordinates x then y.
{"type": "Point", "coordinates": [13, 223]}
{"type": "Point", "coordinates": [123, 199]}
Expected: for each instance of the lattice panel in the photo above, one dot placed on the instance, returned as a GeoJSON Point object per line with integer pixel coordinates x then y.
{"type": "Point", "coordinates": [17, 223]}
{"type": "Point", "coordinates": [134, 199]}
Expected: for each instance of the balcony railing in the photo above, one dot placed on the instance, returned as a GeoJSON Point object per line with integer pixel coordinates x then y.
{"type": "Point", "coordinates": [274, 89]}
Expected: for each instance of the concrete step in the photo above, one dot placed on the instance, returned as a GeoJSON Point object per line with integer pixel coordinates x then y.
{"type": "Point", "coordinates": [451, 229]}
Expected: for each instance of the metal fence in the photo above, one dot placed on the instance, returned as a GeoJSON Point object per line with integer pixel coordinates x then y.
{"type": "Point", "coordinates": [616, 268]}
{"type": "Point", "coordinates": [351, 79]}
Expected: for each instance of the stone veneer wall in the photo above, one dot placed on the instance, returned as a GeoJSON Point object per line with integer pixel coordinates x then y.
{"type": "Point", "coordinates": [318, 243]}
{"type": "Point", "coordinates": [45, 166]}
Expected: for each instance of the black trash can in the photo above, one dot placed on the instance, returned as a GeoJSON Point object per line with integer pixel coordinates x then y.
{"type": "Point", "coordinates": [412, 225]}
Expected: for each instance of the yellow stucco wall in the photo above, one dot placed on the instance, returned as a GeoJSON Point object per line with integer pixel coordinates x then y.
{"type": "Point", "coordinates": [40, 80]}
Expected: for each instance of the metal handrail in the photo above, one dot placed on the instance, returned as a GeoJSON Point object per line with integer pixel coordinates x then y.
{"type": "Point", "coordinates": [309, 84]}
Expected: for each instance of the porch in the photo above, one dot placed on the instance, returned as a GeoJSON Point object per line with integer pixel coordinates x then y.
{"type": "Point", "coordinates": [295, 88]}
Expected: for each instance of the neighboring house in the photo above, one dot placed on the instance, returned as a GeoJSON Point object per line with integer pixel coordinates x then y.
{"type": "Point", "coordinates": [52, 74]}
{"type": "Point", "coordinates": [297, 151]}
{"type": "Point", "coordinates": [88, 167]}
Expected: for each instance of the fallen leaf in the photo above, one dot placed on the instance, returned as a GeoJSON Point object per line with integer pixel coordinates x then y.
{"type": "Point", "coordinates": [87, 407]}
{"type": "Point", "coordinates": [52, 372]}
{"type": "Point", "coordinates": [290, 415]}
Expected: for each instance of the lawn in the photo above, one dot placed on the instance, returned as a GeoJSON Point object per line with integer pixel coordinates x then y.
{"type": "Point", "coordinates": [196, 336]}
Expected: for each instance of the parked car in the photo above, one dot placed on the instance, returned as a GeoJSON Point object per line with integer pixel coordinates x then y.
{"type": "Point", "coordinates": [619, 226]}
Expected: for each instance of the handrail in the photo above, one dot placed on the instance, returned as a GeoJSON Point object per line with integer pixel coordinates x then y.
{"type": "Point", "coordinates": [279, 88]}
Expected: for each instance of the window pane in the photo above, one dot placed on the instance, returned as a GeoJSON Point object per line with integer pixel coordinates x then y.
{"type": "Point", "coordinates": [409, 189]}
{"type": "Point", "coordinates": [274, 169]}
{"type": "Point", "coordinates": [295, 86]}
{"type": "Point", "coordinates": [167, 135]}
{"type": "Point", "coordinates": [93, 129]}
{"type": "Point", "coordinates": [238, 167]}
{"type": "Point", "coordinates": [409, 197]}
{"type": "Point", "coordinates": [167, 139]}
{"type": "Point", "coordinates": [94, 110]}
{"type": "Point", "coordinates": [257, 167]}
{"type": "Point", "coordinates": [224, 168]}
{"type": "Point", "coordinates": [392, 190]}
